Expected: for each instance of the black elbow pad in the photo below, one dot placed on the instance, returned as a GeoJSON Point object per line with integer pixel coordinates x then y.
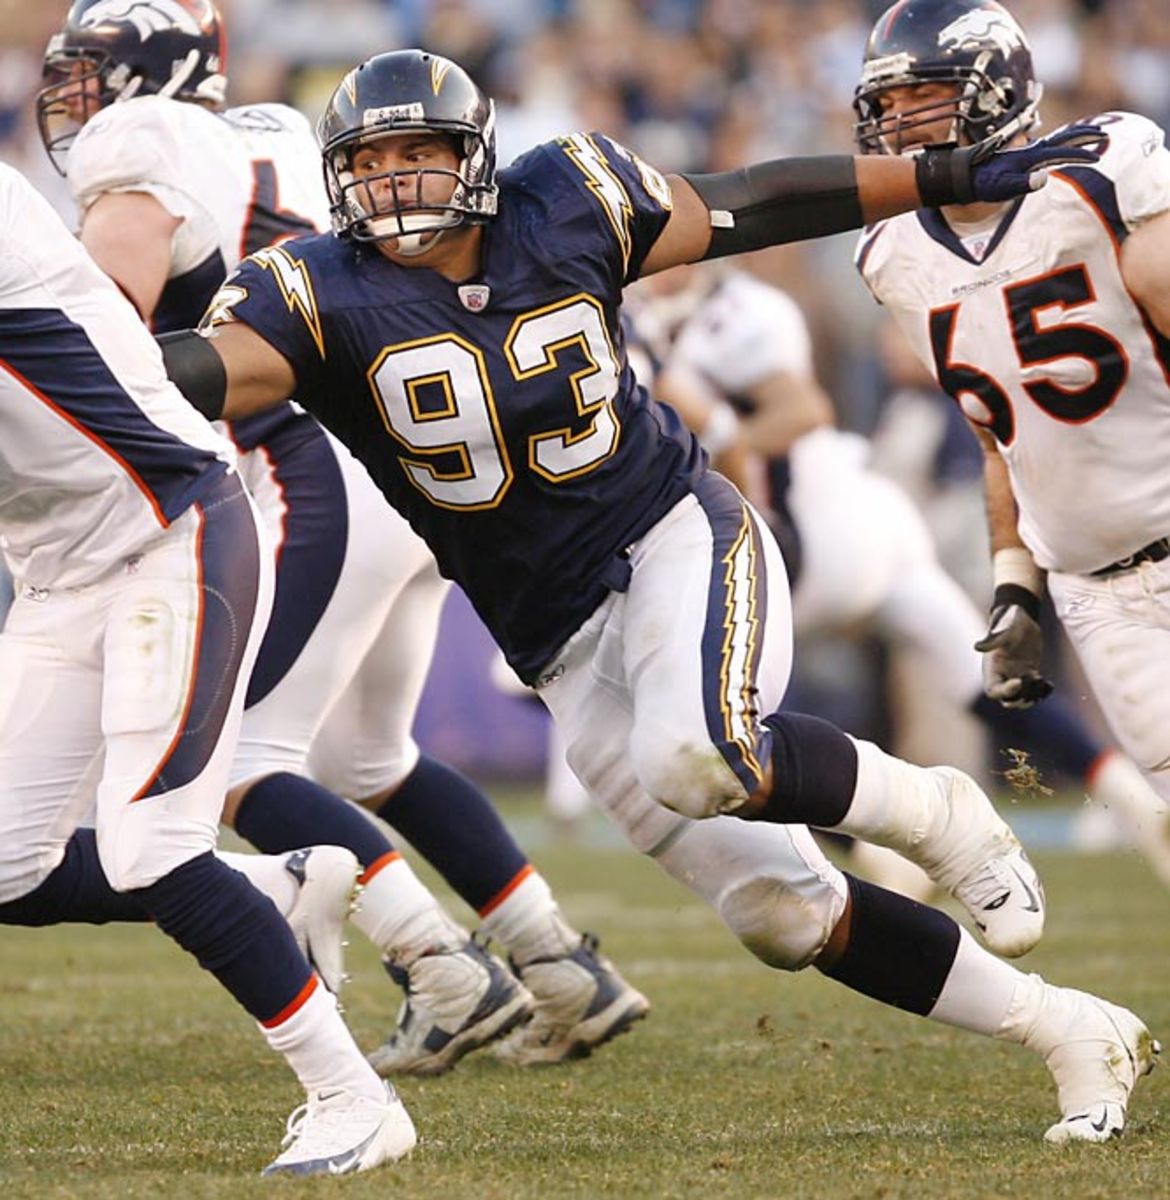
{"type": "Point", "coordinates": [786, 200]}
{"type": "Point", "coordinates": [196, 369]}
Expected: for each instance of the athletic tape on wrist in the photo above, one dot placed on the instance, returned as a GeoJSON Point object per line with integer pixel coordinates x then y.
{"type": "Point", "coordinates": [1015, 565]}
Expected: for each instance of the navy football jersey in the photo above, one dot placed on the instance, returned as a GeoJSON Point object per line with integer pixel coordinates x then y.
{"type": "Point", "coordinates": [501, 415]}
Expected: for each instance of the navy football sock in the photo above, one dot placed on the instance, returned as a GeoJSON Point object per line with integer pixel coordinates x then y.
{"type": "Point", "coordinates": [1051, 731]}
{"type": "Point", "coordinates": [285, 812]}
{"type": "Point", "coordinates": [234, 931]}
{"type": "Point", "coordinates": [453, 825]}
{"type": "Point", "coordinates": [814, 772]}
{"type": "Point", "coordinates": [77, 890]}
{"type": "Point", "coordinates": [899, 952]}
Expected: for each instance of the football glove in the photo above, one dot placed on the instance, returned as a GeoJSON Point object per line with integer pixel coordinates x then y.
{"type": "Point", "coordinates": [985, 173]}
{"type": "Point", "coordinates": [1011, 650]}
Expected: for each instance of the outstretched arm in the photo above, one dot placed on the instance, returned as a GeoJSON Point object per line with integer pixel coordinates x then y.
{"type": "Point", "coordinates": [792, 199]}
{"type": "Point", "coordinates": [232, 373]}
{"type": "Point", "coordinates": [797, 198]}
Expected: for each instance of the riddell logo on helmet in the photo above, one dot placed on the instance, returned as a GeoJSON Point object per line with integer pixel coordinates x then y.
{"type": "Point", "coordinates": [980, 27]}
{"type": "Point", "coordinates": [900, 64]}
{"type": "Point", "coordinates": [393, 112]}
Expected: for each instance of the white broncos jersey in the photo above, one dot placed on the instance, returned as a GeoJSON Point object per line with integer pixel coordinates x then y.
{"type": "Point", "coordinates": [1029, 326]}
{"type": "Point", "coordinates": [98, 451]}
{"type": "Point", "coordinates": [743, 332]}
{"type": "Point", "coordinates": [239, 180]}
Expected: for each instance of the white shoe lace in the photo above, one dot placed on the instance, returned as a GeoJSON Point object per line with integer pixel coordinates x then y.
{"type": "Point", "coordinates": [292, 1127]}
{"type": "Point", "coordinates": [323, 1125]}
{"type": "Point", "coordinates": [993, 882]}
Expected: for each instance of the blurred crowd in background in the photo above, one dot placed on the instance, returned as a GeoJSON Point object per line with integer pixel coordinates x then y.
{"type": "Point", "coordinates": [690, 85]}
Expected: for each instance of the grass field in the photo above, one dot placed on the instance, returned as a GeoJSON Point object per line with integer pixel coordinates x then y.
{"type": "Point", "coordinates": [124, 1072]}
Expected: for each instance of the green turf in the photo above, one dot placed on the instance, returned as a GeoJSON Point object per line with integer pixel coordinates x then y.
{"type": "Point", "coordinates": [124, 1072]}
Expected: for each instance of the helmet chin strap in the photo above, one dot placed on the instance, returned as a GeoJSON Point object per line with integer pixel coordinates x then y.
{"type": "Point", "coordinates": [398, 229]}
{"type": "Point", "coordinates": [180, 76]}
{"type": "Point", "coordinates": [411, 244]}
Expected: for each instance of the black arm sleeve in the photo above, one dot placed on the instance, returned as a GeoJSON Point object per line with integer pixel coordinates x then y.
{"type": "Point", "coordinates": [196, 369]}
{"type": "Point", "coordinates": [786, 200]}
{"type": "Point", "coordinates": [945, 176]}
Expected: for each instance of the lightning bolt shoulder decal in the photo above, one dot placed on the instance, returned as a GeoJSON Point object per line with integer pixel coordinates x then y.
{"type": "Point", "coordinates": [607, 187]}
{"type": "Point", "coordinates": [609, 191]}
{"type": "Point", "coordinates": [296, 286]}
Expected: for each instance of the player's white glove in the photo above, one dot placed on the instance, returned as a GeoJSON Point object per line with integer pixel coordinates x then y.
{"type": "Point", "coordinates": [1012, 649]}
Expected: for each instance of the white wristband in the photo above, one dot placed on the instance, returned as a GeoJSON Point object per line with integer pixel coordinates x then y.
{"type": "Point", "coordinates": [1015, 565]}
{"type": "Point", "coordinates": [721, 429]}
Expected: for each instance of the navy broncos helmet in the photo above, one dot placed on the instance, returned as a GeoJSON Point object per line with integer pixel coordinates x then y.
{"type": "Point", "coordinates": [112, 50]}
{"type": "Point", "coordinates": [408, 91]}
{"type": "Point", "coordinates": [976, 45]}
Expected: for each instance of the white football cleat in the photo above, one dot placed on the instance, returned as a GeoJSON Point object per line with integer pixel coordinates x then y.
{"type": "Point", "coordinates": [581, 1003]}
{"type": "Point", "coordinates": [1096, 1052]}
{"type": "Point", "coordinates": [338, 1133]}
{"type": "Point", "coordinates": [976, 857]}
{"type": "Point", "coordinates": [456, 1001]}
{"type": "Point", "coordinates": [328, 879]}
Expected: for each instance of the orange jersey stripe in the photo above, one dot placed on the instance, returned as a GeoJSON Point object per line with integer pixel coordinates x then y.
{"type": "Point", "coordinates": [109, 451]}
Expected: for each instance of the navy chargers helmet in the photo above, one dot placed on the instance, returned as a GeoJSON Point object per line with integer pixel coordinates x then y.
{"type": "Point", "coordinates": [408, 91]}
{"type": "Point", "coordinates": [112, 50]}
{"type": "Point", "coordinates": [975, 44]}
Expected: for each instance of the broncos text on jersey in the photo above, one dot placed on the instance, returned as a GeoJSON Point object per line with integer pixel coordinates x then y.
{"type": "Point", "coordinates": [1027, 323]}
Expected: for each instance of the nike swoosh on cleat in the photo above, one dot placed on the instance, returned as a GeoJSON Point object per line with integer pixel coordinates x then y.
{"type": "Point", "coordinates": [1099, 1126]}
{"type": "Point", "coordinates": [341, 1166]}
{"type": "Point", "coordinates": [346, 1162]}
{"type": "Point", "coordinates": [1033, 904]}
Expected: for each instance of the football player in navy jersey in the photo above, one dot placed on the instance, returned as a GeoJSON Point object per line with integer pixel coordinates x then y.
{"type": "Point", "coordinates": [173, 189]}
{"type": "Point", "coordinates": [460, 332]}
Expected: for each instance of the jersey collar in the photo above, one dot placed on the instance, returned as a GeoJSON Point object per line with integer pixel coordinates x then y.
{"type": "Point", "coordinates": [936, 227]}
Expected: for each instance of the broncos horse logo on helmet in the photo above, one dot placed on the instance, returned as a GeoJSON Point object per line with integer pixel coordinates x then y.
{"type": "Point", "coordinates": [408, 91]}
{"type": "Point", "coordinates": [975, 44]}
{"type": "Point", "coordinates": [111, 50]}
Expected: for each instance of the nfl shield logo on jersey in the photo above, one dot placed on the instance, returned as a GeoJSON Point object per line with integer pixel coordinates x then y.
{"type": "Point", "coordinates": [474, 296]}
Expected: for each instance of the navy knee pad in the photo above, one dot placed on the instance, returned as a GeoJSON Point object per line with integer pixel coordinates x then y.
{"type": "Point", "coordinates": [899, 952]}
{"type": "Point", "coordinates": [814, 772]}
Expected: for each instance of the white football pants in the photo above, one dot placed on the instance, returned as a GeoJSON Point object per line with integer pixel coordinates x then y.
{"type": "Point", "coordinates": [659, 698]}
{"type": "Point", "coordinates": [129, 692]}
{"type": "Point", "coordinates": [1120, 629]}
{"type": "Point", "coordinates": [869, 562]}
{"type": "Point", "coordinates": [343, 711]}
